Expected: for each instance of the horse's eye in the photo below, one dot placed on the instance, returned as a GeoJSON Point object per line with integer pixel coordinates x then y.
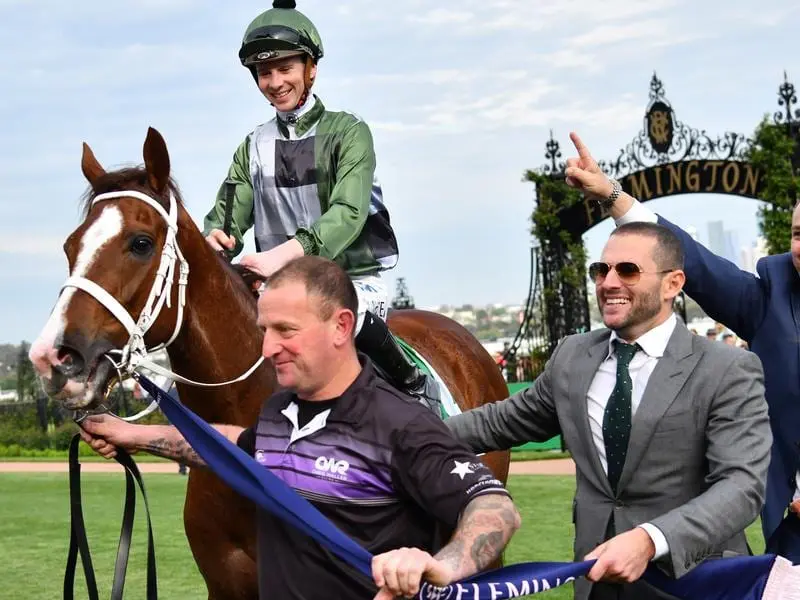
{"type": "Point", "coordinates": [142, 245]}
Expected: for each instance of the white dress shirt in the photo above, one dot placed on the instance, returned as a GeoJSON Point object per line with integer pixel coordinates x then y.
{"type": "Point", "coordinates": [653, 344]}
{"type": "Point", "coordinates": [639, 212]}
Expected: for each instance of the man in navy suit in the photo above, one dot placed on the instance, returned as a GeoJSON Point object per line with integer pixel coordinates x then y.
{"type": "Point", "coordinates": [762, 310]}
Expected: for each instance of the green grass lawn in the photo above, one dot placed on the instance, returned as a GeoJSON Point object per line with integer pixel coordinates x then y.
{"type": "Point", "coordinates": [34, 528]}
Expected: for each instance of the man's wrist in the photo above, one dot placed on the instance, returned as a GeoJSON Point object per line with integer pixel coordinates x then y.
{"type": "Point", "coordinates": [611, 192]}
{"type": "Point", "coordinates": [603, 191]}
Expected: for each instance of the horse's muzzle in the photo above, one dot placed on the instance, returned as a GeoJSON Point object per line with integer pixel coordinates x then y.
{"type": "Point", "coordinates": [79, 373]}
{"type": "Point", "coordinates": [72, 363]}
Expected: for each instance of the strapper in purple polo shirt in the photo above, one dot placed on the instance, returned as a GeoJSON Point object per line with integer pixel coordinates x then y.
{"type": "Point", "coordinates": [763, 577]}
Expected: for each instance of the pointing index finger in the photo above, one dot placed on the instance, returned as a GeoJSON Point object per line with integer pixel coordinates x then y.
{"type": "Point", "coordinates": [583, 151]}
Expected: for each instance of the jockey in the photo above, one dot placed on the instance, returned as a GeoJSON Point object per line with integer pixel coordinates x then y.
{"type": "Point", "coordinates": [305, 180]}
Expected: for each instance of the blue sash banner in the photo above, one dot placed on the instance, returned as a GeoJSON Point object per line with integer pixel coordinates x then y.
{"type": "Point", "coordinates": [764, 577]}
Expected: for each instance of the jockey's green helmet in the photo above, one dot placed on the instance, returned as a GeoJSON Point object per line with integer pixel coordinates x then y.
{"type": "Point", "coordinates": [280, 32]}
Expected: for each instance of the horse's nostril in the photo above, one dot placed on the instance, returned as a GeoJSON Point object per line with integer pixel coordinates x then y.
{"type": "Point", "coordinates": [71, 362]}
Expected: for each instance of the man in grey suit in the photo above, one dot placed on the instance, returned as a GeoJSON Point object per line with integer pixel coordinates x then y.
{"type": "Point", "coordinates": [669, 432]}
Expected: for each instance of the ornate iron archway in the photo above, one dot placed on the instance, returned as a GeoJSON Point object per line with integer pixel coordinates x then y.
{"type": "Point", "coordinates": [667, 157]}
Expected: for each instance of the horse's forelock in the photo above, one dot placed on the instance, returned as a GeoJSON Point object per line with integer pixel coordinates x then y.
{"type": "Point", "coordinates": [131, 178]}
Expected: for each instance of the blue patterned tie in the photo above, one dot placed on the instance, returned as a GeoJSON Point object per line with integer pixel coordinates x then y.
{"type": "Point", "coordinates": [617, 418]}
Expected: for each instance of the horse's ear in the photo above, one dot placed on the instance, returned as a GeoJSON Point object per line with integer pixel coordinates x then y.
{"type": "Point", "coordinates": [156, 160]}
{"type": "Point", "coordinates": [90, 167]}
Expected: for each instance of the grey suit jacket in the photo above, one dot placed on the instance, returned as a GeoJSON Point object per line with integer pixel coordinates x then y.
{"type": "Point", "coordinates": [697, 457]}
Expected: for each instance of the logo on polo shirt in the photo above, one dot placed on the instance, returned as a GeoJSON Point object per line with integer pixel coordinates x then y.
{"type": "Point", "coordinates": [331, 467]}
{"type": "Point", "coordinates": [462, 469]}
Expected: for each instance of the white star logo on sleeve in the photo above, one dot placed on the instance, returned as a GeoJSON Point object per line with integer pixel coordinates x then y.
{"type": "Point", "coordinates": [462, 469]}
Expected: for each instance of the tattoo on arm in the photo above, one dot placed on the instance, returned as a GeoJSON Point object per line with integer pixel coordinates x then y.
{"type": "Point", "coordinates": [177, 450]}
{"type": "Point", "coordinates": [486, 526]}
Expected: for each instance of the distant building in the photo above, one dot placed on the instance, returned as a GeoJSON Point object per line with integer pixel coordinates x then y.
{"type": "Point", "coordinates": [722, 242]}
{"type": "Point", "coordinates": [753, 253]}
{"type": "Point", "coordinates": [716, 238]}
{"type": "Point", "coordinates": [731, 243]}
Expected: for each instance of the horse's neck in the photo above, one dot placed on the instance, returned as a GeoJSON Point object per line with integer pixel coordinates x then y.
{"type": "Point", "coordinates": [218, 342]}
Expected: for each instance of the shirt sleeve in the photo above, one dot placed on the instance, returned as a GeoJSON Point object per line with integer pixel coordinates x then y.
{"type": "Point", "coordinates": [659, 541]}
{"type": "Point", "coordinates": [349, 202]}
{"type": "Point", "coordinates": [637, 212]}
{"type": "Point", "coordinates": [437, 471]}
{"type": "Point", "coordinates": [247, 441]}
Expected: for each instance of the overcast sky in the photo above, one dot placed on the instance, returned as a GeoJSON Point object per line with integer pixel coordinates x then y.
{"type": "Point", "coordinates": [460, 96]}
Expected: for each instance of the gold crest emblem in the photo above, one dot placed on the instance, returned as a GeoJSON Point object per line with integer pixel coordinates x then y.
{"type": "Point", "coordinates": [660, 126]}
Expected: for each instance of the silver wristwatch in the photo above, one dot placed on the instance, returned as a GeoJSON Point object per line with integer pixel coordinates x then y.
{"type": "Point", "coordinates": [616, 190]}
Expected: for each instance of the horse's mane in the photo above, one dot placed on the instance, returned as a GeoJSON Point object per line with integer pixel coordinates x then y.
{"type": "Point", "coordinates": [128, 178]}
{"type": "Point", "coordinates": [246, 281]}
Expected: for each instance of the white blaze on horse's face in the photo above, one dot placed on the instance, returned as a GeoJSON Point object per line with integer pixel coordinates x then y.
{"type": "Point", "coordinates": [45, 351]}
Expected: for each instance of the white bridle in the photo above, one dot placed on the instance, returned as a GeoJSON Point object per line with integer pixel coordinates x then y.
{"type": "Point", "coordinates": [134, 355]}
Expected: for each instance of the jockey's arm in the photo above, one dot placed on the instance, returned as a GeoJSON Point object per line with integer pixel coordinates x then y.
{"type": "Point", "coordinates": [242, 215]}
{"type": "Point", "coordinates": [349, 201]}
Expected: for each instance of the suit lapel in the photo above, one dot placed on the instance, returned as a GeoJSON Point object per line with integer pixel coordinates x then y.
{"type": "Point", "coordinates": [667, 379]}
{"type": "Point", "coordinates": [583, 373]}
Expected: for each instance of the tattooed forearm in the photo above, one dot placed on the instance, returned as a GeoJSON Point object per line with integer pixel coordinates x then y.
{"type": "Point", "coordinates": [166, 441]}
{"type": "Point", "coordinates": [486, 526]}
{"type": "Point", "coordinates": [453, 554]}
{"type": "Point", "coordinates": [177, 450]}
{"type": "Point", "coordinates": [487, 548]}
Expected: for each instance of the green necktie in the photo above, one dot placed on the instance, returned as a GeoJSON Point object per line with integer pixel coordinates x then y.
{"type": "Point", "coordinates": [617, 418]}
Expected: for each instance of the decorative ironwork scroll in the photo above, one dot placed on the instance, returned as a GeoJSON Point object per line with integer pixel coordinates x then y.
{"type": "Point", "coordinates": [786, 98]}
{"type": "Point", "coordinates": [664, 139]}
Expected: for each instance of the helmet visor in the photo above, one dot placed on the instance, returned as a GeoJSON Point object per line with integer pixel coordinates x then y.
{"type": "Point", "coordinates": [274, 41]}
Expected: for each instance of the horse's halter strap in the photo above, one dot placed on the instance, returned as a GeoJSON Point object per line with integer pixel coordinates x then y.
{"type": "Point", "coordinates": [160, 293]}
{"type": "Point", "coordinates": [134, 354]}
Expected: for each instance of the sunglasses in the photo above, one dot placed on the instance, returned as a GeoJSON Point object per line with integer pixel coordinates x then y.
{"type": "Point", "coordinates": [628, 272]}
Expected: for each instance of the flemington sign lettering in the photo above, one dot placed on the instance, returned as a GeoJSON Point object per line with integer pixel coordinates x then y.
{"type": "Point", "coordinates": [685, 177]}
{"type": "Point", "coordinates": [694, 176]}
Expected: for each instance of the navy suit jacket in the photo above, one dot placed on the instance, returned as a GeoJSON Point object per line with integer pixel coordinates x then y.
{"type": "Point", "coordinates": [765, 312]}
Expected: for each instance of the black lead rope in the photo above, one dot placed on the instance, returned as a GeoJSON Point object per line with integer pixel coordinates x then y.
{"type": "Point", "coordinates": [229, 197]}
{"type": "Point", "coordinates": [78, 544]}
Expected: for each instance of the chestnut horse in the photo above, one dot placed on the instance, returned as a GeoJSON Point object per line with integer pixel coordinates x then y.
{"type": "Point", "coordinates": [117, 247]}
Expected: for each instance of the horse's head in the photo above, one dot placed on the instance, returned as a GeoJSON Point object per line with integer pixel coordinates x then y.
{"type": "Point", "coordinates": [117, 247]}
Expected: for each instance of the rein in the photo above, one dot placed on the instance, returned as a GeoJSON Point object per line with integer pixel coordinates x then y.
{"type": "Point", "coordinates": [78, 544]}
{"type": "Point", "coordinates": [134, 356]}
